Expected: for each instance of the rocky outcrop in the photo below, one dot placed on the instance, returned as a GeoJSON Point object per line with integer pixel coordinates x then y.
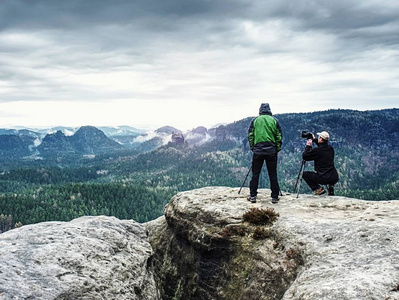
{"type": "Point", "coordinates": [87, 258]}
{"type": "Point", "coordinates": [204, 250]}
{"type": "Point", "coordinates": [178, 138]}
{"type": "Point", "coordinates": [319, 248]}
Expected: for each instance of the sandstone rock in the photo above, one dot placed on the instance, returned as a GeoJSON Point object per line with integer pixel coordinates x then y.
{"type": "Point", "coordinates": [352, 247]}
{"type": "Point", "coordinates": [204, 250]}
{"type": "Point", "coordinates": [320, 248]}
{"type": "Point", "coordinates": [87, 258]}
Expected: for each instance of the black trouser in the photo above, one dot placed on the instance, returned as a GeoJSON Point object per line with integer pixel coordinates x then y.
{"type": "Point", "coordinates": [271, 164]}
{"type": "Point", "coordinates": [314, 180]}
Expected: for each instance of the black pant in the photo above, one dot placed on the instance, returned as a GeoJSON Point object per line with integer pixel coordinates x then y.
{"type": "Point", "coordinates": [314, 180]}
{"type": "Point", "coordinates": [271, 164]}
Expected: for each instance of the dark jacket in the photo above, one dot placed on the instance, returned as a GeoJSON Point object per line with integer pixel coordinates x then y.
{"type": "Point", "coordinates": [264, 133]}
{"type": "Point", "coordinates": [323, 156]}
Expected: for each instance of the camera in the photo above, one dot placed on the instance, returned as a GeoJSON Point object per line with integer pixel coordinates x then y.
{"type": "Point", "coordinates": [307, 135]}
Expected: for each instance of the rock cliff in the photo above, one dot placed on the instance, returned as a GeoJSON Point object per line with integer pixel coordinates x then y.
{"type": "Point", "coordinates": [318, 248]}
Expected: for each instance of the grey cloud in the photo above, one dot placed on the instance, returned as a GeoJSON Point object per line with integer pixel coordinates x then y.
{"type": "Point", "coordinates": [325, 14]}
{"type": "Point", "coordinates": [198, 19]}
{"type": "Point", "coordinates": [76, 13]}
{"type": "Point", "coordinates": [102, 35]}
{"type": "Point", "coordinates": [351, 19]}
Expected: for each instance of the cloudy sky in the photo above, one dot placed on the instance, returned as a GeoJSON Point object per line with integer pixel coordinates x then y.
{"type": "Point", "coordinates": [187, 63]}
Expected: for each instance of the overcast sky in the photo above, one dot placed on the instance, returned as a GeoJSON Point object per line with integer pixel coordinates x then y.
{"type": "Point", "coordinates": [187, 63]}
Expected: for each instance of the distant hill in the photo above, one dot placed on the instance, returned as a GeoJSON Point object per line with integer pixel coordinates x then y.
{"type": "Point", "coordinates": [376, 129]}
{"type": "Point", "coordinates": [87, 140]}
{"type": "Point", "coordinates": [63, 141]}
{"type": "Point", "coordinates": [15, 146]}
{"type": "Point", "coordinates": [167, 130]}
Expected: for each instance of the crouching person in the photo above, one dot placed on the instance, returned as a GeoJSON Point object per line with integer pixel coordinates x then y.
{"type": "Point", "coordinates": [323, 157]}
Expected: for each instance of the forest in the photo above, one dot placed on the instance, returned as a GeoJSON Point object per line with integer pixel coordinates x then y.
{"type": "Point", "coordinates": [132, 185]}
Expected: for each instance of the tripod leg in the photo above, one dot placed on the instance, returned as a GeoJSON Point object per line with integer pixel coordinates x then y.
{"type": "Point", "coordinates": [301, 172]}
{"type": "Point", "coordinates": [299, 175]}
{"type": "Point", "coordinates": [297, 195]}
{"type": "Point", "coordinates": [297, 179]}
{"type": "Point", "coordinates": [245, 179]}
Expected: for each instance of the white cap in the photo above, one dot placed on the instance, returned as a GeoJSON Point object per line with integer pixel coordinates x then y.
{"type": "Point", "coordinates": [324, 135]}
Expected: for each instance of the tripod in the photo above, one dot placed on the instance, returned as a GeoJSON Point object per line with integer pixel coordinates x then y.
{"type": "Point", "coordinates": [245, 179]}
{"type": "Point", "coordinates": [299, 178]}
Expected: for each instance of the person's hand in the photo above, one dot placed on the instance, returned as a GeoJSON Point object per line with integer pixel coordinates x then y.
{"type": "Point", "coordinates": [309, 142]}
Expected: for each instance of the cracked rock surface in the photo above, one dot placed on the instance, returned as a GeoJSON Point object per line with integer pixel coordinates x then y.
{"type": "Point", "coordinates": [352, 247]}
{"type": "Point", "coordinates": [87, 258]}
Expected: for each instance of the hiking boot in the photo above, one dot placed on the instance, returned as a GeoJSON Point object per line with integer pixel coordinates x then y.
{"type": "Point", "coordinates": [330, 189]}
{"type": "Point", "coordinates": [274, 200]}
{"type": "Point", "coordinates": [252, 199]}
{"type": "Point", "coordinates": [319, 191]}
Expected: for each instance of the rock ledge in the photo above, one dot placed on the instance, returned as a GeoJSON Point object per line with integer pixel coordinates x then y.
{"type": "Point", "coordinates": [320, 248]}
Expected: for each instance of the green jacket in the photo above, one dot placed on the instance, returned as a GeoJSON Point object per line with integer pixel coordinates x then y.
{"type": "Point", "coordinates": [264, 133]}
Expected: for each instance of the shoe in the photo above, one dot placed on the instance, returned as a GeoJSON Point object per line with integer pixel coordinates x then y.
{"type": "Point", "coordinates": [330, 189]}
{"type": "Point", "coordinates": [319, 191]}
{"type": "Point", "coordinates": [252, 199]}
{"type": "Point", "coordinates": [275, 200]}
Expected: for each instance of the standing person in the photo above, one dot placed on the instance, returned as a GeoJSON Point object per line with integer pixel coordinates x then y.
{"type": "Point", "coordinates": [265, 140]}
{"type": "Point", "coordinates": [323, 156]}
